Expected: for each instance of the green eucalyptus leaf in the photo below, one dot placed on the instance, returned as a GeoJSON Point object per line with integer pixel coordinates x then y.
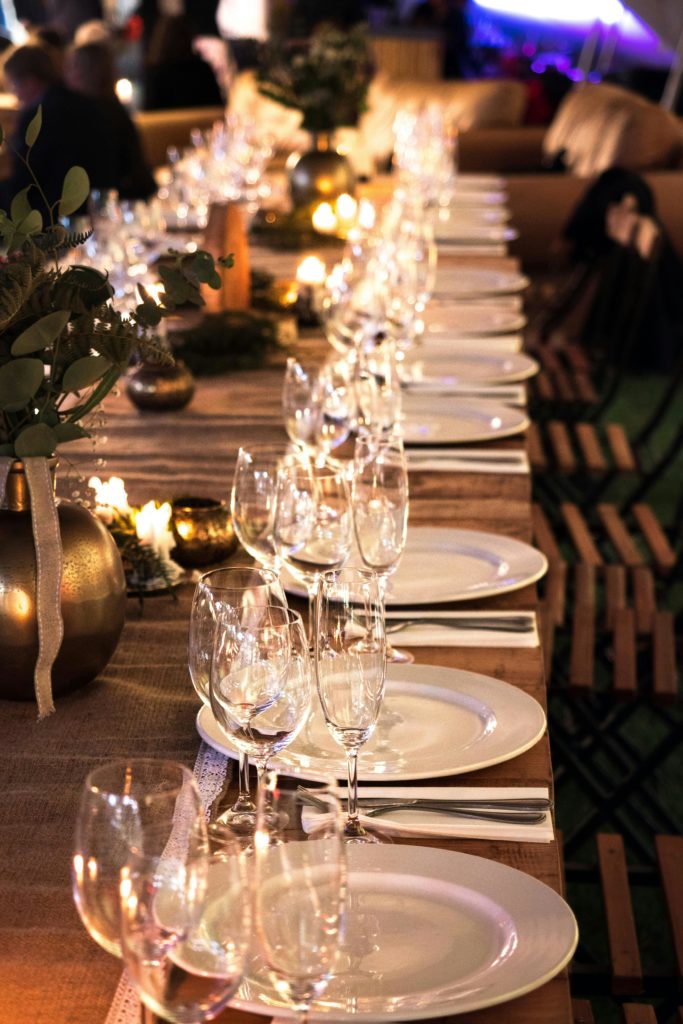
{"type": "Point", "coordinates": [149, 313]}
{"type": "Point", "coordinates": [32, 224]}
{"type": "Point", "coordinates": [33, 130]}
{"type": "Point", "coordinates": [84, 372]}
{"type": "Point", "coordinates": [19, 381]}
{"type": "Point", "coordinates": [226, 261]}
{"type": "Point", "coordinates": [69, 432]}
{"type": "Point", "coordinates": [75, 191]}
{"type": "Point", "coordinates": [177, 288]}
{"type": "Point", "coordinates": [214, 280]}
{"type": "Point", "coordinates": [20, 207]}
{"type": "Point", "coordinates": [41, 334]}
{"type": "Point", "coordinates": [38, 439]}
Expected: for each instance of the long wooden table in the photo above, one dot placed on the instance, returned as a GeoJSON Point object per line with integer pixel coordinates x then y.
{"type": "Point", "coordinates": [50, 971]}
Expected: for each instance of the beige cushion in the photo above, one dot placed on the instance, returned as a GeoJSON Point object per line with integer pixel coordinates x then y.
{"type": "Point", "coordinates": [602, 126]}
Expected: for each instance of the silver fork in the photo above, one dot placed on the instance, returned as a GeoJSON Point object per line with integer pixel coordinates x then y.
{"type": "Point", "coordinates": [518, 624]}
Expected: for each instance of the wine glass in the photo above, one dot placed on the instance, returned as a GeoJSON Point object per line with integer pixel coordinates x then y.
{"type": "Point", "coordinates": [350, 665]}
{"type": "Point", "coordinates": [185, 928]}
{"type": "Point", "coordinates": [152, 805]}
{"type": "Point", "coordinates": [378, 390]}
{"type": "Point", "coordinates": [252, 500]}
{"type": "Point", "coordinates": [301, 404]}
{"type": "Point", "coordinates": [299, 887]}
{"type": "Point", "coordinates": [313, 527]}
{"type": "Point", "coordinates": [261, 680]}
{"type": "Point", "coordinates": [237, 588]}
{"type": "Point", "coordinates": [380, 509]}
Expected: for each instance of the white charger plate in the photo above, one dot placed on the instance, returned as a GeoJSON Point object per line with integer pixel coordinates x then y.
{"type": "Point", "coordinates": [431, 933]}
{"type": "Point", "coordinates": [450, 419]}
{"type": "Point", "coordinates": [462, 232]}
{"type": "Point", "coordinates": [470, 368]}
{"type": "Point", "coordinates": [435, 722]}
{"type": "Point", "coordinates": [470, 282]}
{"type": "Point", "coordinates": [470, 319]}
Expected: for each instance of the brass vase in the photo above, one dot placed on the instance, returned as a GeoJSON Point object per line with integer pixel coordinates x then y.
{"type": "Point", "coordinates": [93, 595]}
{"type": "Point", "coordinates": [320, 175]}
{"type": "Point", "coordinates": [157, 387]}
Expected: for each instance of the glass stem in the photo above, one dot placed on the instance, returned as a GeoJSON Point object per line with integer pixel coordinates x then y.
{"type": "Point", "coordinates": [244, 801]}
{"type": "Point", "coordinates": [352, 796]}
{"type": "Point", "coordinates": [312, 595]}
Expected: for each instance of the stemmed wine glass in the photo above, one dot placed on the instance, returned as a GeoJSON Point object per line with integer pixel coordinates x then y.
{"type": "Point", "coordinates": [301, 404]}
{"type": "Point", "coordinates": [318, 407]}
{"type": "Point", "coordinates": [261, 680]}
{"type": "Point", "coordinates": [378, 390]}
{"type": "Point", "coordinates": [350, 666]}
{"type": "Point", "coordinates": [234, 589]}
{"type": "Point", "coordinates": [185, 928]}
{"type": "Point", "coordinates": [313, 524]}
{"type": "Point", "coordinates": [140, 802]}
{"type": "Point", "coordinates": [299, 887]}
{"type": "Point", "coordinates": [252, 500]}
{"type": "Point", "coordinates": [380, 509]}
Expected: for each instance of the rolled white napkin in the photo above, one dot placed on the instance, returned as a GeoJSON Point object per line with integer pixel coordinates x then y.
{"type": "Point", "coordinates": [468, 460]}
{"type": "Point", "coordinates": [436, 823]}
{"type": "Point", "coordinates": [429, 634]}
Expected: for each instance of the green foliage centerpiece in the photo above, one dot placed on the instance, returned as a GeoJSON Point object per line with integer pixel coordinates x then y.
{"type": "Point", "coordinates": [63, 346]}
{"type": "Point", "coordinates": [325, 77]}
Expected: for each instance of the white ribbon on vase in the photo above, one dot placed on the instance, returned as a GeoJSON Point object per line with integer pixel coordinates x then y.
{"type": "Point", "coordinates": [48, 546]}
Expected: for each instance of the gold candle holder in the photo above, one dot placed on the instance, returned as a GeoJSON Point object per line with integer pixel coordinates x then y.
{"type": "Point", "coordinates": [203, 532]}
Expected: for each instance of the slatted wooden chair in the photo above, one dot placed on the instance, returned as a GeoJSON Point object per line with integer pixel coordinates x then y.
{"type": "Point", "coordinates": [631, 964]}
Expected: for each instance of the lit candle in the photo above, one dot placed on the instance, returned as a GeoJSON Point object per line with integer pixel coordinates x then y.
{"type": "Point", "coordinates": [324, 219]}
{"type": "Point", "coordinates": [124, 90]}
{"type": "Point", "coordinates": [110, 497]}
{"type": "Point", "coordinates": [311, 271]}
{"type": "Point", "coordinates": [346, 207]}
{"type": "Point", "coordinates": [152, 526]}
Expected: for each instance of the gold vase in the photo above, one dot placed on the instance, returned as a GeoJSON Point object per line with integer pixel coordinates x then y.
{"type": "Point", "coordinates": [93, 595]}
{"type": "Point", "coordinates": [320, 175]}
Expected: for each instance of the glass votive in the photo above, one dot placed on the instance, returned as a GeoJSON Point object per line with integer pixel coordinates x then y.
{"type": "Point", "coordinates": [203, 532]}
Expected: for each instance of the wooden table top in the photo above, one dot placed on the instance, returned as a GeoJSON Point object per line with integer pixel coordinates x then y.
{"type": "Point", "coordinates": [50, 971]}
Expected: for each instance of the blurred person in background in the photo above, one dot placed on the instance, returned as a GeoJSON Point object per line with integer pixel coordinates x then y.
{"type": "Point", "coordinates": [73, 130]}
{"type": "Point", "coordinates": [176, 76]}
{"type": "Point", "coordinates": [91, 70]}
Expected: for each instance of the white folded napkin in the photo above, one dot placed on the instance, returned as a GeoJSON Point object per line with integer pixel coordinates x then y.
{"type": "Point", "coordinates": [436, 823]}
{"type": "Point", "coordinates": [455, 342]}
{"type": "Point", "coordinates": [428, 634]}
{"type": "Point", "coordinates": [507, 394]}
{"type": "Point", "coordinates": [468, 460]}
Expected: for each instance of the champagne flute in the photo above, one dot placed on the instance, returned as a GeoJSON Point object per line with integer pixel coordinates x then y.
{"type": "Point", "coordinates": [261, 680]}
{"type": "Point", "coordinates": [299, 888]}
{"type": "Point", "coordinates": [350, 665]}
{"type": "Point", "coordinates": [312, 528]}
{"type": "Point", "coordinates": [153, 805]}
{"type": "Point", "coordinates": [185, 928]}
{"type": "Point", "coordinates": [252, 500]}
{"type": "Point", "coordinates": [380, 509]}
{"type": "Point", "coordinates": [238, 588]}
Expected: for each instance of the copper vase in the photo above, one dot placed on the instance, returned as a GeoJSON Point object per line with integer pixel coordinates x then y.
{"type": "Point", "coordinates": [93, 595]}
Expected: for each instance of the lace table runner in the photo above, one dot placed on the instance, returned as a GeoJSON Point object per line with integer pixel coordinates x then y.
{"type": "Point", "coordinates": [210, 770]}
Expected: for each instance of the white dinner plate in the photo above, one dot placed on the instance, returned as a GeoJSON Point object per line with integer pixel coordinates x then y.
{"type": "Point", "coordinates": [442, 564]}
{"type": "Point", "coordinates": [477, 213]}
{"type": "Point", "coordinates": [467, 182]}
{"type": "Point", "coordinates": [431, 933]}
{"type": "Point", "coordinates": [470, 320]}
{"type": "Point", "coordinates": [470, 368]}
{"type": "Point", "coordinates": [469, 282]}
{"type": "Point", "coordinates": [434, 722]}
{"type": "Point", "coordinates": [454, 419]}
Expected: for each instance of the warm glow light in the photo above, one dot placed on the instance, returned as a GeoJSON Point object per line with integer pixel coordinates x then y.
{"type": "Point", "coordinates": [124, 90]}
{"type": "Point", "coordinates": [311, 270]}
{"type": "Point", "coordinates": [367, 215]}
{"type": "Point", "coordinates": [346, 207]}
{"type": "Point", "coordinates": [155, 292]}
{"type": "Point", "coordinates": [324, 218]}
{"type": "Point", "coordinates": [110, 497]}
{"type": "Point", "coordinates": [152, 527]}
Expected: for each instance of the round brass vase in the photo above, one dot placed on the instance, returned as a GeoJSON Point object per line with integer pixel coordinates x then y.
{"type": "Point", "coordinates": [93, 595]}
{"type": "Point", "coordinates": [155, 387]}
{"type": "Point", "coordinates": [320, 175]}
{"type": "Point", "coordinates": [203, 532]}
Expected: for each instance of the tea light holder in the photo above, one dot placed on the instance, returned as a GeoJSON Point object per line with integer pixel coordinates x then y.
{"type": "Point", "coordinates": [202, 530]}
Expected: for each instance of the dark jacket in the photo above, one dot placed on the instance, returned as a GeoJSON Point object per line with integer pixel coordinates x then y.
{"type": "Point", "coordinates": [130, 172]}
{"type": "Point", "coordinates": [73, 133]}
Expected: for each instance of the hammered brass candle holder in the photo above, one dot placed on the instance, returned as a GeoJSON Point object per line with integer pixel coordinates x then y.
{"type": "Point", "coordinates": [203, 532]}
